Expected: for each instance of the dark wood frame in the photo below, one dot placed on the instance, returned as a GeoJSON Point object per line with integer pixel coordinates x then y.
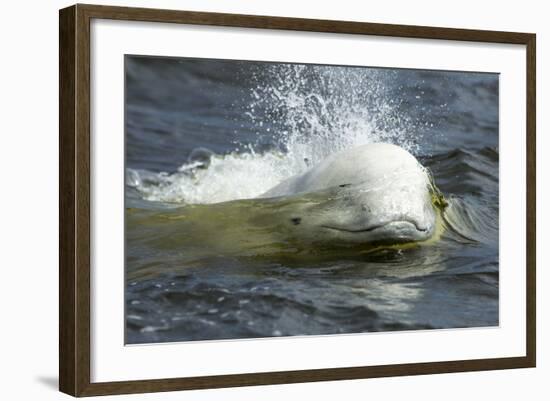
{"type": "Point", "coordinates": [74, 199]}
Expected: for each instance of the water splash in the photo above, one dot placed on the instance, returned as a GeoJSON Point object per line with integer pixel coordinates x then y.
{"type": "Point", "coordinates": [318, 110]}
{"type": "Point", "coordinates": [233, 176]}
{"type": "Point", "coordinates": [304, 113]}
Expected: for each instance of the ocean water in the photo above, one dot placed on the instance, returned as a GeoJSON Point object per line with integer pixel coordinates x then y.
{"type": "Point", "coordinates": [206, 260]}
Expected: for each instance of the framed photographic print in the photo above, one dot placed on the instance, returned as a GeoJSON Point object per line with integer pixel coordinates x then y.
{"type": "Point", "coordinates": [251, 200]}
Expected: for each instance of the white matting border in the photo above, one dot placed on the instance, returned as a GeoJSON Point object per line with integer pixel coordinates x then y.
{"type": "Point", "coordinates": [112, 361]}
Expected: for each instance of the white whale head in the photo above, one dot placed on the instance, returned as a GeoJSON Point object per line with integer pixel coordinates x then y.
{"type": "Point", "coordinates": [397, 209]}
{"type": "Point", "coordinates": [376, 193]}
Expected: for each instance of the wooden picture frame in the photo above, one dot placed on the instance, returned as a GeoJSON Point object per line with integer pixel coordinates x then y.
{"type": "Point", "coordinates": [74, 203]}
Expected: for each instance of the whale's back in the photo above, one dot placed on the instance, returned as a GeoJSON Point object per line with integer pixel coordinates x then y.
{"type": "Point", "coordinates": [367, 163]}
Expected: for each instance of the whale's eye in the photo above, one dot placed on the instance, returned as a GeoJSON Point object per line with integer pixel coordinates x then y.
{"type": "Point", "coordinates": [344, 185]}
{"type": "Point", "coordinates": [296, 220]}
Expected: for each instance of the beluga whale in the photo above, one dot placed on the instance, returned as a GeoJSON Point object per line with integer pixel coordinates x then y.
{"type": "Point", "coordinates": [371, 194]}
{"type": "Point", "coordinates": [359, 200]}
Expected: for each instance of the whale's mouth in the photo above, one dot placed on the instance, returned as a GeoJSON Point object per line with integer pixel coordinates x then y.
{"type": "Point", "coordinates": [398, 225]}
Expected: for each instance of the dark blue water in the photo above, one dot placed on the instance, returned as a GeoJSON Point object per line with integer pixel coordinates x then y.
{"type": "Point", "coordinates": [200, 132]}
